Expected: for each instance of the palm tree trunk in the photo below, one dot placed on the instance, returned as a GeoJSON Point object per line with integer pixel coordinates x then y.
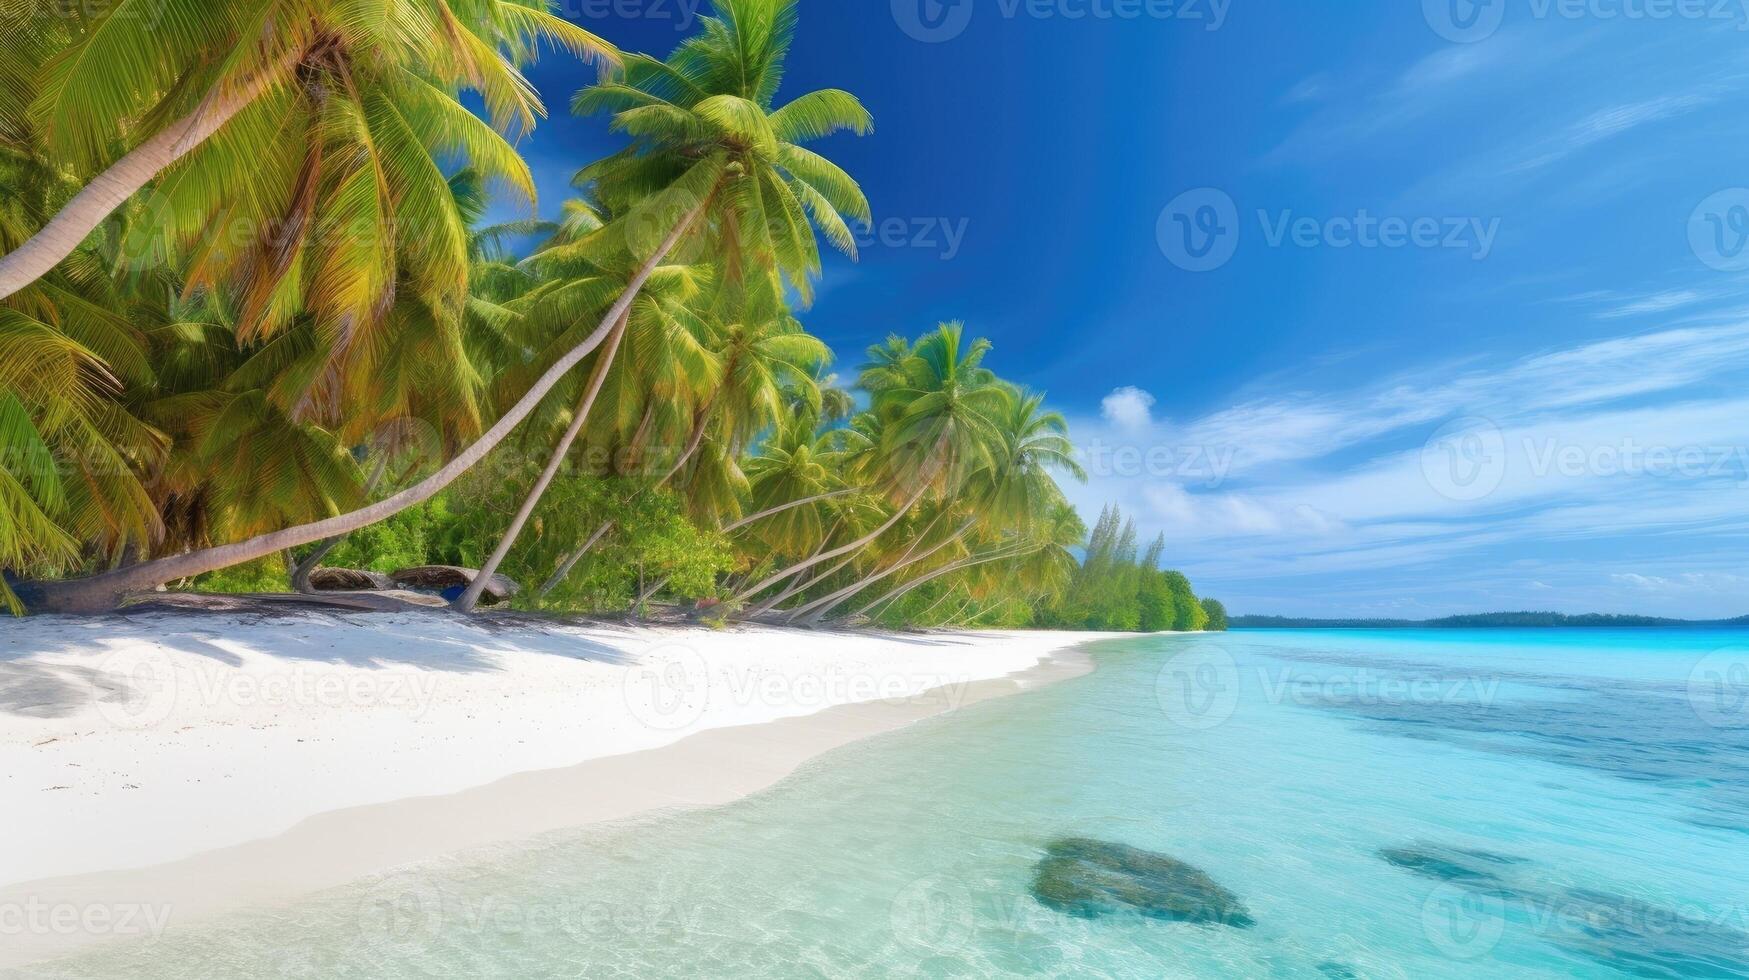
{"type": "Point", "coordinates": [110, 189]}
{"type": "Point", "coordinates": [820, 607]}
{"type": "Point", "coordinates": [780, 508]}
{"type": "Point", "coordinates": [564, 570]}
{"type": "Point", "coordinates": [471, 598]}
{"type": "Point", "coordinates": [960, 565]}
{"type": "Point", "coordinates": [798, 586]}
{"type": "Point", "coordinates": [800, 567]}
{"type": "Point", "coordinates": [103, 592]}
{"type": "Point", "coordinates": [303, 570]}
{"type": "Point", "coordinates": [694, 440]}
{"type": "Point", "coordinates": [745, 521]}
{"type": "Point", "coordinates": [692, 444]}
{"type": "Point", "coordinates": [825, 542]}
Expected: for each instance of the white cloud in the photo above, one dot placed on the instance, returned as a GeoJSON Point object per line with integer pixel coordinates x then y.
{"type": "Point", "coordinates": [1641, 441]}
{"type": "Point", "coordinates": [1128, 408]}
{"type": "Point", "coordinates": [1662, 302]}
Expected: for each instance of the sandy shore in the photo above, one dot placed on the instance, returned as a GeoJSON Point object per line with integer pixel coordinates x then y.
{"type": "Point", "coordinates": [174, 765]}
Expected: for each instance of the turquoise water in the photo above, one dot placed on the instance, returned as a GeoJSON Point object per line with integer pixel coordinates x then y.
{"type": "Point", "coordinates": [1560, 803]}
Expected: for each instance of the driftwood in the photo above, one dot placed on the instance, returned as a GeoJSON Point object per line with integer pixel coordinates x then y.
{"type": "Point", "coordinates": [349, 580]}
{"type": "Point", "coordinates": [444, 578]}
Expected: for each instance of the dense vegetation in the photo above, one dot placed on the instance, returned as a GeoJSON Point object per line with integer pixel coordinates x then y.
{"type": "Point", "coordinates": [1118, 588]}
{"type": "Point", "coordinates": [1498, 620]}
{"type": "Point", "coordinates": [251, 323]}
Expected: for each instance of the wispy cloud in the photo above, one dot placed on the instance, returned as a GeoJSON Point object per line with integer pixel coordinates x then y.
{"type": "Point", "coordinates": [1605, 440]}
{"type": "Point", "coordinates": [1594, 128]}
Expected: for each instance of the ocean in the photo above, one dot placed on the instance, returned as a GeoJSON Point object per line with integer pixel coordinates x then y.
{"type": "Point", "coordinates": [1494, 803]}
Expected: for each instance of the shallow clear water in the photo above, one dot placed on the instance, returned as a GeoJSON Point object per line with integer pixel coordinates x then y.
{"type": "Point", "coordinates": [1599, 779]}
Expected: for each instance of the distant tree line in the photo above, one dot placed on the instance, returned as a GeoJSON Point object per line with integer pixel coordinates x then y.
{"type": "Point", "coordinates": [1497, 620]}
{"type": "Point", "coordinates": [1123, 588]}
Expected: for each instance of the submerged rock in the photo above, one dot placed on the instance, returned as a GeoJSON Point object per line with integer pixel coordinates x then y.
{"type": "Point", "coordinates": [1632, 936]}
{"type": "Point", "coordinates": [1087, 878]}
{"type": "Point", "coordinates": [1461, 865]}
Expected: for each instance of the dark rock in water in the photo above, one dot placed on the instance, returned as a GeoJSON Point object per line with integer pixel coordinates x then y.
{"type": "Point", "coordinates": [1456, 864]}
{"type": "Point", "coordinates": [1088, 878]}
{"type": "Point", "coordinates": [1337, 971]}
{"type": "Point", "coordinates": [1632, 936]}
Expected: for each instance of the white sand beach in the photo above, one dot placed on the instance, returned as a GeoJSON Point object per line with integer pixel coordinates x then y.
{"type": "Point", "coordinates": [209, 760]}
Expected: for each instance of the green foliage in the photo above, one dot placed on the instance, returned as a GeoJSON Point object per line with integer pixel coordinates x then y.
{"type": "Point", "coordinates": [224, 387]}
{"type": "Point", "coordinates": [266, 575]}
{"type": "Point", "coordinates": [650, 537]}
{"type": "Point", "coordinates": [1116, 589]}
{"type": "Point", "coordinates": [419, 535]}
{"type": "Point", "coordinates": [1217, 615]}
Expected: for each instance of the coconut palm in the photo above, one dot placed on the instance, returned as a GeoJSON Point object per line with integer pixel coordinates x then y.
{"type": "Point", "coordinates": [310, 124]}
{"type": "Point", "coordinates": [759, 349]}
{"type": "Point", "coordinates": [662, 344]}
{"type": "Point", "coordinates": [934, 425]}
{"type": "Point", "coordinates": [1042, 548]}
{"type": "Point", "coordinates": [1033, 443]}
{"type": "Point", "coordinates": [708, 149]}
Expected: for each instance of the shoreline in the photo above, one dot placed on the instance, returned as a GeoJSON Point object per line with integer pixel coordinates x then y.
{"type": "Point", "coordinates": [702, 718]}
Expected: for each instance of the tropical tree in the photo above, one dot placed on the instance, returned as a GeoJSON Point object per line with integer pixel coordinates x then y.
{"type": "Point", "coordinates": [310, 124]}
{"type": "Point", "coordinates": [708, 150]}
{"type": "Point", "coordinates": [933, 425]}
{"type": "Point", "coordinates": [1016, 489]}
{"type": "Point", "coordinates": [707, 146]}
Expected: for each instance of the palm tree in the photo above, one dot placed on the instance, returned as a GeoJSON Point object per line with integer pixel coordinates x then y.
{"type": "Point", "coordinates": [705, 117]}
{"type": "Point", "coordinates": [1020, 485]}
{"type": "Point", "coordinates": [759, 349]}
{"type": "Point", "coordinates": [313, 123]}
{"type": "Point", "coordinates": [658, 325]}
{"type": "Point", "coordinates": [934, 424]}
{"type": "Point", "coordinates": [707, 150]}
{"type": "Point", "coordinates": [1041, 550]}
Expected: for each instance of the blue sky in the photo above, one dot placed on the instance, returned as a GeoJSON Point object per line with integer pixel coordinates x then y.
{"type": "Point", "coordinates": [1392, 309]}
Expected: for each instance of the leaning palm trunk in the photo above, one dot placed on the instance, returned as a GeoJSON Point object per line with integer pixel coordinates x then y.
{"type": "Point", "coordinates": [471, 597]}
{"type": "Point", "coordinates": [796, 586]}
{"type": "Point", "coordinates": [919, 581]}
{"type": "Point", "coordinates": [743, 522]}
{"type": "Point", "coordinates": [815, 611]}
{"type": "Point", "coordinates": [571, 561]}
{"type": "Point", "coordinates": [801, 567]}
{"type": "Point", "coordinates": [780, 508]}
{"type": "Point", "coordinates": [110, 189]}
{"type": "Point", "coordinates": [564, 570]}
{"type": "Point", "coordinates": [799, 586]}
{"type": "Point", "coordinates": [302, 572]}
{"type": "Point", "coordinates": [102, 592]}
